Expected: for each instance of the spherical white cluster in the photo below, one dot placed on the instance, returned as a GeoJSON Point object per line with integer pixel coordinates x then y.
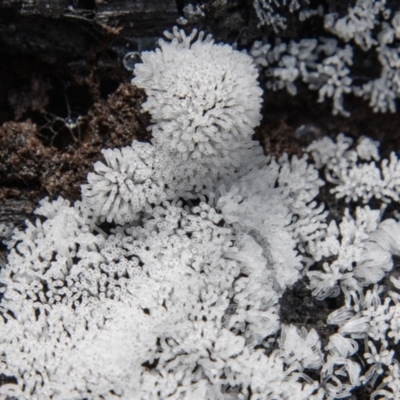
{"type": "Point", "coordinates": [129, 182]}
{"type": "Point", "coordinates": [204, 100]}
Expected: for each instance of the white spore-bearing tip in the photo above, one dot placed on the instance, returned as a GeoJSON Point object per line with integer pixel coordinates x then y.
{"type": "Point", "coordinates": [127, 183]}
{"type": "Point", "coordinates": [203, 97]}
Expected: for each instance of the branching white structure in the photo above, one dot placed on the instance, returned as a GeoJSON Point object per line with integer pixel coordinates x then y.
{"type": "Point", "coordinates": [327, 64]}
